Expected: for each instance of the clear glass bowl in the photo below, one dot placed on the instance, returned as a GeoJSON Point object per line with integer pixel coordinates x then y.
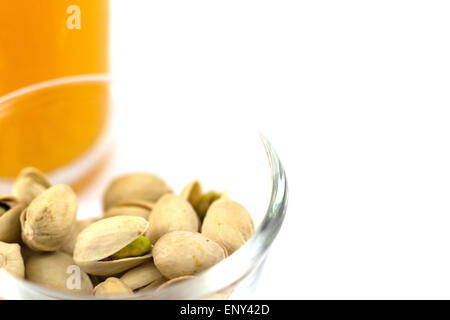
{"type": "Point", "coordinates": [180, 144]}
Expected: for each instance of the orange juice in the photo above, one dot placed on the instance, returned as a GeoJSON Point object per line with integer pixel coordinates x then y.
{"type": "Point", "coordinates": [44, 40]}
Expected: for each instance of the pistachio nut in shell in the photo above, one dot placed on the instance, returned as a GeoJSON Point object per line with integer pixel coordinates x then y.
{"type": "Point", "coordinates": [192, 192]}
{"type": "Point", "coordinates": [48, 221]}
{"type": "Point", "coordinates": [134, 187]}
{"type": "Point", "coordinates": [154, 285]}
{"type": "Point", "coordinates": [112, 286]}
{"type": "Point", "coordinates": [204, 202]}
{"type": "Point", "coordinates": [29, 184]}
{"type": "Point", "coordinates": [171, 213]}
{"type": "Point", "coordinates": [57, 270]}
{"type": "Point", "coordinates": [97, 244]}
{"type": "Point", "coordinates": [131, 208]}
{"type": "Point", "coordinates": [182, 253]}
{"type": "Point", "coordinates": [228, 223]}
{"type": "Point", "coordinates": [11, 259]}
{"type": "Point", "coordinates": [10, 211]}
{"type": "Point", "coordinates": [141, 276]}
{"type": "Point", "coordinates": [80, 225]}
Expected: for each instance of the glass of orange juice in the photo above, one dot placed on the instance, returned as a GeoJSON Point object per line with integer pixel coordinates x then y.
{"type": "Point", "coordinates": [54, 93]}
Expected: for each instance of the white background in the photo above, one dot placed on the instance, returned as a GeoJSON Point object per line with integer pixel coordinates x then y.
{"type": "Point", "coordinates": [355, 97]}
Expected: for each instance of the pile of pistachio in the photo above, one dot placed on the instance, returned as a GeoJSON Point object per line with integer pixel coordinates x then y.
{"type": "Point", "coordinates": [147, 238]}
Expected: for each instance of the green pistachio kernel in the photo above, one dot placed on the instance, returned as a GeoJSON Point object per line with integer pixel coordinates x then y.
{"type": "Point", "coordinates": [3, 208]}
{"type": "Point", "coordinates": [205, 202]}
{"type": "Point", "coordinates": [137, 248]}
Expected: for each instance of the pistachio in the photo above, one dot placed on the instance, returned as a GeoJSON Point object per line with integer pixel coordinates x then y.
{"type": "Point", "coordinates": [10, 210]}
{"type": "Point", "coordinates": [154, 285]}
{"type": "Point", "coordinates": [112, 286]}
{"type": "Point", "coordinates": [134, 187]}
{"type": "Point", "coordinates": [137, 248]}
{"type": "Point", "coordinates": [29, 184]}
{"type": "Point", "coordinates": [97, 245]}
{"type": "Point", "coordinates": [181, 253]}
{"type": "Point", "coordinates": [205, 202]}
{"type": "Point", "coordinates": [200, 201]}
{"type": "Point", "coordinates": [142, 276]}
{"type": "Point", "coordinates": [80, 225]}
{"type": "Point", "coordinates": [57, 270]}
{"type": "Point", "coordinates": [131, 208]}
{"type": "Point", "coordinates": [11, 259]}
{"type": "Point", "coordinates": [228, 223]}
{"type": "Point", "coordinates": [171, 213]}
{"type": "Point", "coordinates": [49, 219]}
{"type": "Point", "coordinates": [192, 192]}
{"type": "Point", "coordinates": [173, 281]}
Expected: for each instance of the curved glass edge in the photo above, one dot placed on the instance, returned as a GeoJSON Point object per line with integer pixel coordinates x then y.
{"type": "Point", "coordinates": [229, 272]}
{"type": "Point", "coordinates": [223, 276]}
{"type": "Point", "coordinates": [83, 78]}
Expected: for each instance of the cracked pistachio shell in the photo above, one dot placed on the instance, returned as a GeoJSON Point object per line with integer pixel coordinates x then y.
{"type": "Point", "coordinates": [11, 259]}
{"type": "Point", "coordinates": [200, 201]}
{"type": "Point", "coordinates": [192, 192]}
{"type": "Point", "coordinates": [57, 270]}
{"type": "Point", "coordinates": [173, 281]}
{"type": "Point", "coordinates": [132, 208]}
{"type": "Point", "coordinates": [205, 201]}
{"type": "Point", "coordinates": [182, 253]}
{"type": "Point", "coordinates": [154, 285]}
{"type": "Point", "coordinates": [171, 213]}
{"type": "Point", "coordinates": [10, 219]}
{"type": "Point", "coordinates": [112, 286]}
{"type": "Point", "coordinates": [142, 276]}
{"type": "Point", "coordinates": [228, 223]}
{"type": "Point", "coordinates": [29, 184]}
{"type": "Point", "coordinates": [80, 225]}
{"type": "Point", "coordinates": [135, 187]}
{"type": "Point", "coordinates": [48, 221]}
{"type": "Point", "coordinates": [105, 237]}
